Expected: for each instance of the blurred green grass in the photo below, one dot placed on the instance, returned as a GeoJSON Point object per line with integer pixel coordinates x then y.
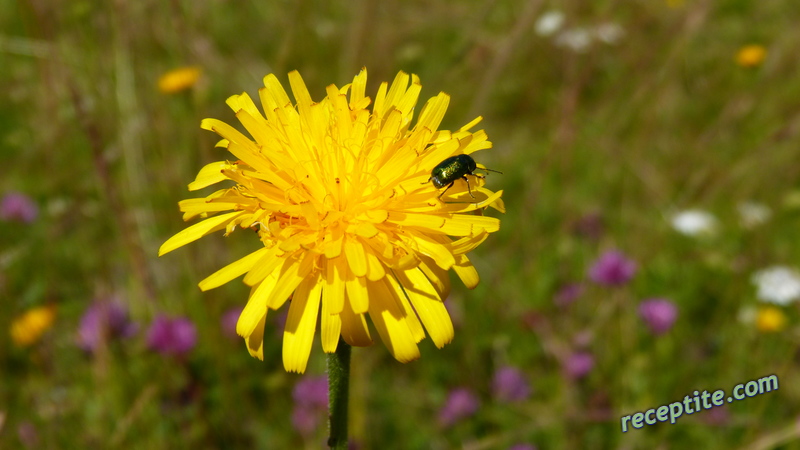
{"type": "Point", "coordinates": [661, 121]}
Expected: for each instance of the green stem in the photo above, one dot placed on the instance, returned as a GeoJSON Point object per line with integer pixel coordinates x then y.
{"type": "Point", "coordinates": [338, 393]}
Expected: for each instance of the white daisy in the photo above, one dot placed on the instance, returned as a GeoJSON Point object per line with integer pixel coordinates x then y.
{"type": "Point", "coordinates": [549, 23]}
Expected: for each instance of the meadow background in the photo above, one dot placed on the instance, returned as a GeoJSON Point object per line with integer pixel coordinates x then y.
{"type": "Point", "coordinates": [605, 127]}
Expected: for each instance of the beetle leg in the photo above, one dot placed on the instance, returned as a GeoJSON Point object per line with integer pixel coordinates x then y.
{"type": "Point", "coordinates": [445, 189]}
{"type": "Point", "coordinates": [468, 188]}
{"type": "Point", "coordinates": [427, 181]}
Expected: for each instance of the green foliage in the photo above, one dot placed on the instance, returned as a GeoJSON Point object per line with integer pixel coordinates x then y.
{"type": "Point", "coordinates": [661, 121]}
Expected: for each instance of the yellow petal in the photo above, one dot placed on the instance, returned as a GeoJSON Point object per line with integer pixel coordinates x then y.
{"type": "Point", "coordinates": [268, 262]}
{"type": "Point", "coordinates": [334, 292]}
{"type": "Point", "coordinates": [375, 269]}
{"type": "Point", "coordinates": [197, 231]}
{"type": "Point", "coordinates": [298, 334]}
{"type": "Point", "coordinates": [293, 273]}
{"type": "Point", "coordinates": [393, 330]}
{"type": "Point", "coordinates": [439, 253]}
{"type": "Point", "coordinates": [429, 307]}
{"type": "Point", "coordinates": [357, 294]}
{"type": "Point", "coordinates": [330, 325]}
{"type": "Point", "coordinates": [232, 270]}
{"type": "Point", "coordinates": [208, 175]}
{"type": "Point", "coordinates": [256, 307]}
{"type": "Point", "coordinates": [356, 258]}
{"type": "Point", "coordinates": [395, 292]}
{"type": "Point", "coordinates": [354, 328]}
{"type": "Point", "coordinates": [464, 269]}
{"type": "Point", "coordinates": [255, 341]}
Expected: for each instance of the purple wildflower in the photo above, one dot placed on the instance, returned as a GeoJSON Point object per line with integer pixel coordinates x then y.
{"type": "Point", "coordinates": [171, 336]}
{"type": "Point", "coordinates": [522, 447]}
{"type": "Point", "coordinates": [229, 320]}
{"type": "Point", "coordinates": [568, 294]}
{"type": "Point", "coordinates": [578, 364]}
{"type": "Point", "coordinates": [310, 403]}
{"type": "Point", "coordinates": [612, 268]}
{"type": "Point", "coordinates": [18, 207]}
{"type": "Point", "coordinates": [659, 314]}
{"type": "Point", "coordinates": [460, 404]}
{"type": "Point", "coordinates": [510, 385]}
{"type": "Point", "coordinates": [102, 321]}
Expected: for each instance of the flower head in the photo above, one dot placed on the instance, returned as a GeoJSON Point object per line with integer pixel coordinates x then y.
{"type": "Point", "coordinates": [101, 321]}
{"type": "Point", "coordinates": [171, 336]}
{"type": "Point", "coordinates": [460, 404]}
{"type": "Point", "coordinates": [28, 328]}
{"type": "Point", "coordinates": [751, 55]}
{"type": "Point", "coordinates": [179, 79]}
{"type": "Point", "coordinates": [777, 284]}
{"type": "Point", "coordinates": [659, 314]}
{"type": "Point", "coordinates": [18, 207]}
{"type": "Point", "coordinates": [612, 268]}
{"type": "Point", "coordinates": [340, 197]}
{"type": "Point", "coordinates": [510, 385]}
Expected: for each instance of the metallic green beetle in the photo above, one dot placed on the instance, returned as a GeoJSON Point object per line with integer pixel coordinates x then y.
{"type": "Point", "coordinates": [453, 168]}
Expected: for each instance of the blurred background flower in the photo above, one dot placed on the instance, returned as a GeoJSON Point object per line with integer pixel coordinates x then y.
{"type": "Point", "coordinates": [460, 404]}
{"type": "Point", "coordinates": [510, 384]}
{"type": "Point", "coordinates": [102, 321]}
{"type": "Point", "coordinates": [659, 314]}
{"type": "Point", "coordinates": [694, 222]}
{"type": "Point", "coordinates": [179, 79]}
{"type": "Point", "coordinates": [28, 328]}
{"type": "Point", "coordinates": [171, 336]}
{"type": "Point", "coordinates": [752, 214]}
{"type": "Point", "coordinates": [751, 55]}
{"type": "Point", "coordinates": [229, 319]}
{"type": "Point", "coordinates": [18, 207]}
{"type": "Point", "coordinates": [568, 293]}
{"type": "Point", "coordinates": [770, 319]}
{"type": "Point", "coordinates": [549, 23]}
{"type": "Point", "coordinates": [578, 365]}
{"type": "Point", "coordinates": [612, 268]}
{"type": "Point", "coordinates": [777, 284]}
{"type": "Point", "coordinates": [310, 396]}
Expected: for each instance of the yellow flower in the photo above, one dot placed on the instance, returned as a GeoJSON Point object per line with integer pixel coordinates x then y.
{"type": "Point", "coordinates": [338, 194]}
{"type": "Point", "coordinates": [180, 79]}
{"type": "Point", "coordinates": [770, 319]}
{"type": "Point", "coordinates": [27, 328]}
{"type": "Point", "coordinates": [751, 55]}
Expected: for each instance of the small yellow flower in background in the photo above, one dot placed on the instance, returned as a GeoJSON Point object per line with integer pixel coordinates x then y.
{"type": "Point", "coordinates": [178, 80]}
{"type": "Point", "coordinates": [675, 3]}
{"type": "Point", "coordinates": [751, 55]}
{"type": "Point", "coordinates": [770, 319]}
{"type": "Point", "coordinates": [339, 196]}
{"type": "Point", "coordinates": [27, 328]}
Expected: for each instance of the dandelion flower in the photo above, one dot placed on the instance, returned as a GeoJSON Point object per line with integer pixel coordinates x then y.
{"type": "Point", "coordinates": [178, 80]}
{"type": "Point", "coordinates": [339, 196]}
{"type": "Point", "coordinates": [751, 55]}
{"type": "Point", "coordinates": [27, 328]}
